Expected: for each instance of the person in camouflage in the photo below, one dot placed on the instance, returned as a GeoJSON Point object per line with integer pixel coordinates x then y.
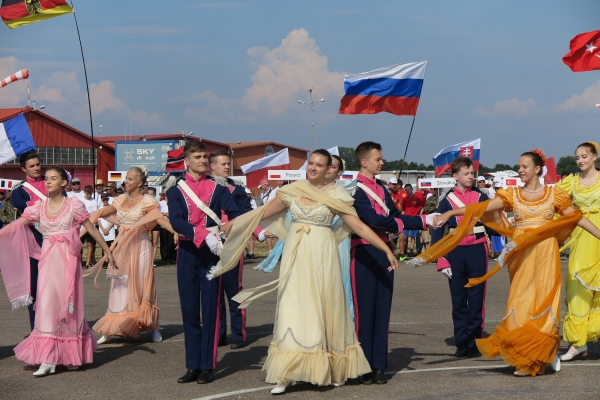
{"type": "Point", "coordinates": [7, 212]}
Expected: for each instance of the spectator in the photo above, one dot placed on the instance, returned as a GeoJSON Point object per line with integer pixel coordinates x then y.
{"type": "Point", "coordinates": [156, 230]}
{"type": "Point", "coordinates": [411, 205]}
{"type": "Point", "coordinates": [76, 189]}
{"type": "Point", "coordinates": [8, 213]}
{"type": "Point", "coordinates": [482, 185]}
{"type": "Point", "coordinates": [111, 190]}
{"type": "Point", "coordinates": [90, 205]}
{"type": "Point", "coordinates": [99, 191]}
{"type": "Point", "coordinates": [107, 229]}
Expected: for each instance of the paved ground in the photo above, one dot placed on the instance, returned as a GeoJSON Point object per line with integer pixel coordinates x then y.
{"type": "Point", "coordinates": [422, 365]}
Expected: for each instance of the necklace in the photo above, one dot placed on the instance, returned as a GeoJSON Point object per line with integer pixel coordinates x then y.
{"type": "Point", "coordinates": [533, 191]}
{"type": "Point", "coordinates": [324, 187]}
{"type": "Point", "coordinates": [57, 211]}
{"type": "Point", "coordinates": [588, 184]}
{"type": "Point", "coordinates": [135, 198]}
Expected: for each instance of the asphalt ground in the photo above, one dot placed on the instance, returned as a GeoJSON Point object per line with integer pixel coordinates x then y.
{"type": "Point", "coordinates": [422, 365]}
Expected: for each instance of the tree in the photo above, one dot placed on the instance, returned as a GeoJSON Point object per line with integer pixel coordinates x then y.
{"type": "Point", "coordinates": [566, 164]}
{"type": "Point", "coordinates": [347, 154]}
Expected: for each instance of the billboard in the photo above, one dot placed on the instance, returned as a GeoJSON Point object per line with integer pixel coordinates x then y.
{"type": "Point", "coordinates": [152, 154]}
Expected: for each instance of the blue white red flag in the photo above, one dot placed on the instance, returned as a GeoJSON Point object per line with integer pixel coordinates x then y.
{"type": "Point", "coordinates": [395, 89]}
{"type": "Point", "coordinates": [443, 159]}
{"type": "Point", "coordinates": [15, 138]}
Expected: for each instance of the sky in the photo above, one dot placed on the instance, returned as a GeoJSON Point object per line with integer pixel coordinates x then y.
{"type": "Point", "coordinates": [234, 71]}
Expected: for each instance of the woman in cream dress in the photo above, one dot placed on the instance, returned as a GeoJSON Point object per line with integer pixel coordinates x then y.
{"type": "Point", "coordinates": [314, 338]}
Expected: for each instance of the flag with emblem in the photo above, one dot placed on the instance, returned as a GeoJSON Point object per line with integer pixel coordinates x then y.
{"type": "Point", "coordinates": [584, 54]}
{"type": "Point", "coordinates": [16, 13]}
{"type": "Point", "coordinates": [443, 159]}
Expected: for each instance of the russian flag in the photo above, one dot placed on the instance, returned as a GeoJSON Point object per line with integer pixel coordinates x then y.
{"type": "Point", "coordinates": [395, 89]}
{"type": "Point", "coordinates": [15, 138]}
{"type": "Point", "coordinates": [443, 159]}
{"type": "Point", "coordinates": [259, 169]}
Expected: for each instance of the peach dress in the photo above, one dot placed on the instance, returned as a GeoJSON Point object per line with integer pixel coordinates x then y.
{"type": "Point", "coordinates": [132, 306]}
{"type": "Point", "coordinates": [527, 337]}
{"type": "Point", "coordinates": [61, 335]}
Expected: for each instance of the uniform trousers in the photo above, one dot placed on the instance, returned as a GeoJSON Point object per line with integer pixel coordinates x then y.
{"type": "Point", "coordinates": [372, 288]}
{"type": "Point", "coordinates": [468, 309]}
{"type": "Point", "coordinates": [232, 285]}
{"type": "Point", "coordinates": [198, 295]}
{"type": "Point", "coordinates": [33, 277]}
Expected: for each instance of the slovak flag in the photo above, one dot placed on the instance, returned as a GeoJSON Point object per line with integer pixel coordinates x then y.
{"type": "Point", "coordinates": [395, 89]}
{"type": "Point", "coordinates": [443, 159]}
{"type": "Point", "coordinates": [259, 169]}
{"type": "Point", "coordinates": [15, 138]}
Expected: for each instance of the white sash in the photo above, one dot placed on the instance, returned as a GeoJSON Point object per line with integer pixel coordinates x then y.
{"type": "Point", "coordinates": [375, 197]}
{"type": "Point", "coordinates": [34, 190]}
{"type": "Point", "coordinates": [199, 203]}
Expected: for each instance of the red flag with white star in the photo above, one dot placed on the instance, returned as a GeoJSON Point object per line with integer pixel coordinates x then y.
{"type": "Point", "coordinates": [585, 52]}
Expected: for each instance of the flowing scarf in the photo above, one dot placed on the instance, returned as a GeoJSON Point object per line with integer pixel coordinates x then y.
{"type": "Point", "coordinates": [560, 228]}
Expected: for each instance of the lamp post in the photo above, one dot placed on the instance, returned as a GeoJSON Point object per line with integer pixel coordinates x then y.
{"type": "Point", "coordinates": [311, 105]}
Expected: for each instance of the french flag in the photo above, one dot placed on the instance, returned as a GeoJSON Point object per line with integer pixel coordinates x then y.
{"type": "Point", "coordinates": [443, 159]}
{"type": "Point", "coordinates": [15, 139]}
{"type": "Point", "coordinates": [259, 169]}
{"type": "Point", "coordinates": [395, 89]}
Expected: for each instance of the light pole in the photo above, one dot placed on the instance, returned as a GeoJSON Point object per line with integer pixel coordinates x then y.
{"type": "Point", "coordinates": [312, 105]}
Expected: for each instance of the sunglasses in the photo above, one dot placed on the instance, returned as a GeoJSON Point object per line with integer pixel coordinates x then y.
{"type": "Point", "coordinates": [75, 183]}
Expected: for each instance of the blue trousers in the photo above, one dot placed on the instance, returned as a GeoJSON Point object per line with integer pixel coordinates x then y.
{"type": "Point", "coordinates": [372, 287]}
{"type": "Point", "coordinates": [232, 285]}
{"type": "Point", "coordinates": [467, 303]}
{"type": "Point", "coordinates": [198, 294]}
{"type": "Point", "coordinates": [33, 276]}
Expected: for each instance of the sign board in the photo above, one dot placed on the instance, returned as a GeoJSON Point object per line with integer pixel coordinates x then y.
{"type": "Point", "coordinates": [286, 175]}
{"type": "Point", "coordinates": [7, 184]}
{"type": "Point", "coordinates": [152, 154]}
{"type": "Point", "coordinates": [436, 183]}
{"type": "Point", "coordinates": [116, 176]}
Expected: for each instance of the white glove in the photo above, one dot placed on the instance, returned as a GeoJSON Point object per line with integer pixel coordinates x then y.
{"type": "Point", "coordinates": [222, 235]}
{"type": "Point", "coordinates": [261, 236]}
{"type": "Point", "coordinates": [429, 219]}
{"type": "Point", "coordinates": [213, 243]}
{"type": "Point", "coordinates": [447, 272]}
{"type": "Point", "coordinates": [393, 236]}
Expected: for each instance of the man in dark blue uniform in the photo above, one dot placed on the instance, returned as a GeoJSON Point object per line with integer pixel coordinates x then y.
{"type": "Point", "coordinates": [372, 283]}
{"type": "Point", "coordinates": [195, 206]}
{"type": "Point", "coordinates": [468, 260]}
{"type": "Point", "coordinates": [232, 280]}
{"type": "Point", "coordinates": [29, 191]}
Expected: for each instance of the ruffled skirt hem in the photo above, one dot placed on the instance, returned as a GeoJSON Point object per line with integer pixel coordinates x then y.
{"type": "Point", "coordinates": [526, 348]}
{"type": "Point", "coordinates": [69, 351]}
{"type": "Point", "coordinates": [318, 367]}
{"type": "Point", "coordinates": [129, 324]}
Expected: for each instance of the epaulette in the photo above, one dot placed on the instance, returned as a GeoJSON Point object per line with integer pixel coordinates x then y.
{"type": "Point", "coordinates": [349, 185]}
{"type": "Point", "coordinates": [219, 180]}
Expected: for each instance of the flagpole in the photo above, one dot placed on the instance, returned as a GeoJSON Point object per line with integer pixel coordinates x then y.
{"type": "Point", "coordinates": [87, 86]}
{"type": "Point", "coordinates": [407, 142]}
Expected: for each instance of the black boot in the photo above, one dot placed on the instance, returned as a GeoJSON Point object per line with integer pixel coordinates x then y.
{"type": "Point", "coordinates": [379, 377]}
{"type": "Point", "coordinates": [461, 352]}
{"type": "Point", "coordinates": [366, 379]}
{"type": "Point", "coordinates": [238, 344]}
{"type": "Point", "coordinates": [206, 376]}
{"type": "Point", "coordinates": [190, 376]}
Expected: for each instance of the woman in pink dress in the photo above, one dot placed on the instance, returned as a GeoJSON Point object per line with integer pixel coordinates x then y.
{"type": "Point", "coordinates": [132, 306]}
{"type": "Point", "coordinates": [61, 334]}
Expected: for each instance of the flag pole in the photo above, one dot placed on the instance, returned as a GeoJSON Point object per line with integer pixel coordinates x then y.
{"type": "Point", "coordinates": [87, 86]}
{"type": "Point", "coordinates": [407, 142]}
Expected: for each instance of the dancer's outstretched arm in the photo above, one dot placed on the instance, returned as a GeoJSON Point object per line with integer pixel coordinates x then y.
{"type": "Point", "coordinates": [99, 239]}
{"type": "Point", "coordinates": [584, 223]}
{"type": "Point", "coordinates": [439, 220]}
{"type": "Point", "coordinates": [362, 230]}
{"type": "Point", "coordinates": [272, 208]}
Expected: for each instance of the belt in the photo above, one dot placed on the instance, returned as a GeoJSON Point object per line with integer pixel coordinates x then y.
{"type": "Point", "coordinates": [475, 230]}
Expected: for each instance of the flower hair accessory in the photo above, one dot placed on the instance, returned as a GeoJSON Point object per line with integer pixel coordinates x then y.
{"type": "Point", "coordinates": [541, 154]}
{"type": "Point", "coordinates": [144, 169]}
{"type": "Point", "coordinates": [68, 176]}
{"type": "Point", "coordinates": [595, 146]}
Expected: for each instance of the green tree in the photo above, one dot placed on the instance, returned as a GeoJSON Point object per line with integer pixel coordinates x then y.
{"type": "Point", "coordinates": [566, 164]}
{"type": "Point", "coordinates": [347, 154]}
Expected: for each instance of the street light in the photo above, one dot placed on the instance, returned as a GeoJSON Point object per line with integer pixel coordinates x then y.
{"type": "Point", "coordinates": [311, 105]}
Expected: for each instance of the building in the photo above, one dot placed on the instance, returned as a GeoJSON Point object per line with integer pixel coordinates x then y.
{"type": "Point", "coordinates": [246, 152]}
{"type": "Point", "coordinates": [60, 145]}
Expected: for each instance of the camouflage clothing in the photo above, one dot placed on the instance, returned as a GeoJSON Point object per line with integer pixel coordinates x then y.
{"type": "Point", "coordinates": [7, 212]}
{"type": "Point", "coordinates": [431, 204]}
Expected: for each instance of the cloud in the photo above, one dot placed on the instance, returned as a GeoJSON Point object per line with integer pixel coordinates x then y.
{"type": "Point", "coordinates": [283, 74]}
{"type": "Point", "coordinates": [148, 30]}
{"type": "Point", "coordinates": [512, 106]}
{"type": "Point", "coordinates": [67, 99]}
{"type": "Point", "coordinates": [585, 101]}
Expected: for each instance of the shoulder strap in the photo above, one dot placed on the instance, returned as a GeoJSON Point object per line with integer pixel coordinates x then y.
{"type": "Point", "coordinates": [374, 196]}
{"type": "Point", "coordinates": [199, 203]}
{"type": "Point", "coordinates": [34, 190]}
{"type": "Point", "coordinates": [456, 200]}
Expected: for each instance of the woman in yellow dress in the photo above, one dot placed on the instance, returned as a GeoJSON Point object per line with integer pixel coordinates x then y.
{"type": "Point", "coordinates": [527, 337]}
{"type": "Point", "coordinates": [582, 321]}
